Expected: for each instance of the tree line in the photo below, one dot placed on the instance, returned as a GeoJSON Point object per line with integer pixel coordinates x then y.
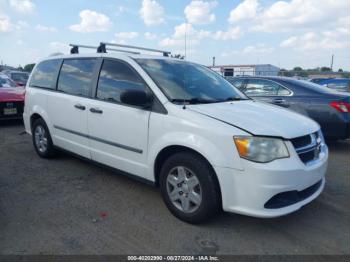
{"type": "Point", "coordinates": [299, 71]}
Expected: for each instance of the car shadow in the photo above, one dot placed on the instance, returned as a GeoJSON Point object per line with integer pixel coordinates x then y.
{"type": "Point", "coordinates": [12, 122]}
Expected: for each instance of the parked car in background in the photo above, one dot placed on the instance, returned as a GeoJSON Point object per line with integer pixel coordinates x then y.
{"type": "Point", "coordinates": [338, 84]}
{"type": "Point", "coordinates": [329, 108]}
{"type": "Point", "coordinates": [318, 80]}
{"type": "Point", "coordinates": [11, 99]}
{"type": "Point", "coordinates": [19, 77]}
{"type": "Point", "coordinates": [180, 126]}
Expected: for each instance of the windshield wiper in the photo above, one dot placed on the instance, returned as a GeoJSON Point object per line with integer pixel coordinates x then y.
{"type": "Point", "coordinates": [235, 98]}
{"type": "Point", "coordinates": [193, 101]}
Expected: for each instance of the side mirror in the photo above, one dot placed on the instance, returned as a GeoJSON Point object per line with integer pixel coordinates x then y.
{"type": "Point", "coordinates": [136, 98]}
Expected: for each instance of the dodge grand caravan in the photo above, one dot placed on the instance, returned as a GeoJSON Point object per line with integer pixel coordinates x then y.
{"type": "Point", "coordinates": [179, 126]}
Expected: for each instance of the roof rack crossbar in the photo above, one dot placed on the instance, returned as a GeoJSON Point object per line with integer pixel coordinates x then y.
{"type": "Point", "coordinates": [75, 49]}
{"type": "Point", "coordinates": [165, 53]}
{"type": "Point", "coordinates": [121, 50]}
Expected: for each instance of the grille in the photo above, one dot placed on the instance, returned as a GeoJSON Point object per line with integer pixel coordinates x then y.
{"type": "Point", "coordinates": [308, 147]}
{"type": "Point", "coordinates": [16, 104]}
{"type": "Point", "coordinates": [301, 141]}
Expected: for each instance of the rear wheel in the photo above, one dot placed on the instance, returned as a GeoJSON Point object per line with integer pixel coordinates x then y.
{"type": "Point", "coordinates": [42, 139]}
{"type": "Point", "coordinates": [189, 188]}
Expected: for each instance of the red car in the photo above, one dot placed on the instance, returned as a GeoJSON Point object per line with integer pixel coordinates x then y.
{"type": "Point", "coordinates": [11, 99]}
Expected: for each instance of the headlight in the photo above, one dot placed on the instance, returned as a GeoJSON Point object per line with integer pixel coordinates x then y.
{"type": "Point", "coordinates": [261, 149]}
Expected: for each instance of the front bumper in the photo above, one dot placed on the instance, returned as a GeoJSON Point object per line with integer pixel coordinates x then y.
{"type": "Point", "coordinates": [248, 191]}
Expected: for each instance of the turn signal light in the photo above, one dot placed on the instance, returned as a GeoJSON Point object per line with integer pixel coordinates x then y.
{"type": "Point", "coordinates": [242, 145]}
{"type": "Point", "coordinates": [341, 106]}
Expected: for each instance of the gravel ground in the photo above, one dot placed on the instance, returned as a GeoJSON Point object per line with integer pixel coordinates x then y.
{"type": "Point", "coordinates": [68, 206]}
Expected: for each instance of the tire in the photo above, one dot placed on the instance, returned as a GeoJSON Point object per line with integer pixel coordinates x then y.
{"type": "Point", "coordinates": [42, 139]}
{"type": "Point", "coordinates": [192, 204]}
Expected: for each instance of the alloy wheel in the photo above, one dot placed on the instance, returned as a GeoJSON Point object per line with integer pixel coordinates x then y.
{"type": "Point", "coordinates": [184, 189]}
{"type": "Point", "coordinates": [40, 137]}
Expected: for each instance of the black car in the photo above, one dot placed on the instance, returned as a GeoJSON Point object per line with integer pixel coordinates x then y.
{"type": "Point", "coordinates": [331, 109]}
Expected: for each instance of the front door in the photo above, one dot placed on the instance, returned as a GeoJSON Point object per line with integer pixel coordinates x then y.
{"type": "Point", "coordinates": [118, 132]}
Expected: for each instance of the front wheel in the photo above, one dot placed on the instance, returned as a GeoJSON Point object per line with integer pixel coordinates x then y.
{"type": "Point", "coordinates": [189, 187]}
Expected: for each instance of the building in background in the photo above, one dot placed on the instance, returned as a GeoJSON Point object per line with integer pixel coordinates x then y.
{"type": "Point", "coordinates": [246, 70]}
{"type": "Point", "coordinates": [6, 67]}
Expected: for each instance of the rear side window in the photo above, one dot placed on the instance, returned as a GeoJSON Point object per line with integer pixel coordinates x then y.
{"type": "Point", "coordinates": [76, 76]}
{"type": "Point", "coordinates": [237, 83]}
{"type": "Point", "coordinates": [262, 87]}
{"type": "Point", "coordinates": [44, 75]}
{"type": "Point", "coordinates": [115, 78]}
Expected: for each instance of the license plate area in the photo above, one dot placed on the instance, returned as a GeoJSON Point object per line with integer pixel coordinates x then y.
{"type": "Point", "coordinates": [10, 111]}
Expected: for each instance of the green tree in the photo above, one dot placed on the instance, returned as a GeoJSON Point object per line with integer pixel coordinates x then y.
{"type": "Point", "coordinates": [302, 74]}
{"type": "Point", "coordinates": [297, 68]}
{"type": "Point", "coordinates": [325, 69]}
{"type": "Point", "coordinates": [284, 72]}
{"type": "Point", "coordinates": [29, 67]}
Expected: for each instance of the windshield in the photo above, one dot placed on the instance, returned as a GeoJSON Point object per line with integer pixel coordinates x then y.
{"type": "Point", "coordinates": [6, 82]}
{"type": "Point", "coordinates": [182, 81]}
{"type": "Point", "coordinates": [20, 77]}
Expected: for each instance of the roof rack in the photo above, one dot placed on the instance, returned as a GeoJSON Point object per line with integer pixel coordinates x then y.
{"type": "Point", "coordinates": [103, 45]}
{"type": "Point", "coordinates": [103, 49]}
{"type": "Point", "coordinates": [75, 49]}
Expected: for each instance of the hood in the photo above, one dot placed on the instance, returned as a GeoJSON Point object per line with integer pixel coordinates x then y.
{"type": "Point", "coordinates": [12, 94]}
{"type": "Point", "coordinates": [259, 118]}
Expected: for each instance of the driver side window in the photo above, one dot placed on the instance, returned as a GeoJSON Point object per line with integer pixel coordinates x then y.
{"type": "Point", "coordinates": [115, 78]}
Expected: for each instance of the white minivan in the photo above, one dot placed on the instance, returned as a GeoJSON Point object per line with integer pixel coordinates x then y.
{"type": "Point", "coordinates": [179, 126]}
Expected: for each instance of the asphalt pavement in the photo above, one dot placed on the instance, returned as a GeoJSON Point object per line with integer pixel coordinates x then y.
{"type": "Point", "coordinates": [69, 206]}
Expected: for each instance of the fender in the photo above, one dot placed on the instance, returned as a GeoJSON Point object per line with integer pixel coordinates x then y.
{"type": "Point", "coordinates": [200, 144]}
{"type": "Point", "coordinates": [40, 111]}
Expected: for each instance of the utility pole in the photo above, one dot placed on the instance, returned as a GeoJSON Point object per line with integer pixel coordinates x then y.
{"type": "Point", "coordinates": [332, 60]}
{"type": "Point", "coordinates": [213, 60]}
{"type": "Point", "coordinates": [185, 40]}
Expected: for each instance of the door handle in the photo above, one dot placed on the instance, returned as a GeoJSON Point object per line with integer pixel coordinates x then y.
{"type": "Point", "coordinates": [96, 110]}
{"type": "Point", "coordinates": [79, 106]}
{"type": "Point", "coordinates": [278, 101]}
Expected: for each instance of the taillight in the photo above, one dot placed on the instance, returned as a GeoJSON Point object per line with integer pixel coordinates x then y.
{"type": "Point", "coordinates": [341, 106]}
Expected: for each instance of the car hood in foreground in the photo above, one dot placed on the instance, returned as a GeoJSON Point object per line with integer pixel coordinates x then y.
{"type": "Point", "coordinates": [12, 94]}
{"type": "Point", "coordinates": [259, 118]}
